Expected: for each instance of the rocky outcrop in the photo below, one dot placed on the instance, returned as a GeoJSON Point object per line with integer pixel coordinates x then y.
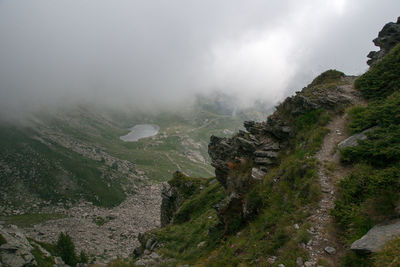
{"type": "Point", "coordinates": [243, 160]}
{"type": "Point", "coordinates": [377, 237]}
{"type": "Point", "coordinates": [387, 38]}
{"type": "Point", "coordinates": [170, 203]}
{"type": "Point", "coordinates": [174, 193]}
{"type": "Point", "coordinates": [16, 251]}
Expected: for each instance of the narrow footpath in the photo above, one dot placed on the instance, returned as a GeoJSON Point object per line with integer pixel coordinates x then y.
{"type": "Point", "coordinates": [324, 244]}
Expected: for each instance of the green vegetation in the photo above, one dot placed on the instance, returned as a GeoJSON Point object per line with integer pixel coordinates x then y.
{"type": "Point", "coordinates": [285, 197]}
{"type": "Point", "coordinates": [66, 249]}
{"type": "Point", "coordinates": [83, 257]}
{"type": "Point", "coordinates": [369, 195]}
{"type": "Point", "coordinates": [40, 258]}
{"type": "Point", "coordinates": [327, 77]}
{"type": "Point", "coordinates": [383, 78]}
{"type": "Point", "coordinates": [54, 173]}
{"type": "Point", "coordinates": [390, 255]}
{"type": "Point", "coordinates": [39, 167]}
{"type": "Point", "coordinates": [28, 220]}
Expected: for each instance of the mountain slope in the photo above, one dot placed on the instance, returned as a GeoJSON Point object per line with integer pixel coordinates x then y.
{"type": "Point", "coordinates": [299, 188]}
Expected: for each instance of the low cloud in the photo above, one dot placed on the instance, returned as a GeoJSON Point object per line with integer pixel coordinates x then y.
{"type": "Point", "coordinates": [162, 53]}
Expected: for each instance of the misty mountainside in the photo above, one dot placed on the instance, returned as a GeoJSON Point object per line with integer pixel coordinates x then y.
{"type": "Point", "coordinates": [67, 170]}
{"type": "Point", "coordinates": [316, 184]}
{"type": "Point", "coordinates": [72, 153]}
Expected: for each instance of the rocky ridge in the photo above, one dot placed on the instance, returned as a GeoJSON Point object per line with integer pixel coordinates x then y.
{"type": "Point", "coordinates": [387, 38]}
{"type": "Point", "coordinates": [241, 161]}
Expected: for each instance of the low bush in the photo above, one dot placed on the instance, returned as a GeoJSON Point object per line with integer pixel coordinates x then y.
{"type": "Point", "coordinates": [390, 255]}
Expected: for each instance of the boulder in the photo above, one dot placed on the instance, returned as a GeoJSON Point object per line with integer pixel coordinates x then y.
{"type": "Point", "coordinates": [257, 174]}
{"type": "Point", "coordinates": [330, 250]}
{"type": "Point", "coordinates": [353, 140]}
{"type": "Point", "coordinates": [17, 251]}
{"type": "Point", "coordinates": [376, 238]}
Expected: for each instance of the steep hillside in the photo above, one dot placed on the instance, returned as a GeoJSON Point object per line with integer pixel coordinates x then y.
{"type": "Point", "coordinates": [67, 170]}
{"type": "Point", "coordinates": [269, 187]}
{"type": "Point", "coordinates": [299, 188]}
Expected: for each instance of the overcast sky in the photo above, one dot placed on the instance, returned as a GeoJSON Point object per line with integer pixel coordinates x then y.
{"type": "Point", "coordinates": [155, 52]}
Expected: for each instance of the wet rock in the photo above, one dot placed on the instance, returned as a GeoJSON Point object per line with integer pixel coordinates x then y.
{"type": "Point", "coordinates": [374, 240]}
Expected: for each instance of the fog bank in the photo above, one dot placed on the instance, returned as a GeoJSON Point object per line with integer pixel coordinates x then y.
{"type": "Point", "coordinates": [162, 53]}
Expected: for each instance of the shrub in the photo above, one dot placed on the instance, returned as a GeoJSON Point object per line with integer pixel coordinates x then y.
{"type": "Point", "coordinates": [329, 76]}
{"type": "Point", "coordinates": [390, 255]}
{"type": "Point", "coordinates": [83, 257]}
{"type": "Point", "coordinates": [66, 249]}
{"type": "Point", "coordinates": [367, 196]}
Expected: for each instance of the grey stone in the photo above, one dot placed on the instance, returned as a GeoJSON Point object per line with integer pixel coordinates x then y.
{"type": "Point", "coordinates": [374, 240]}
{"type": "Point", "coordinates": [265, 154]}
{"type": "Point", "coordinates": [245, 144]}
{"type": "Point", "coordinates": [149, 243]}
{"type": "Point", "coordinates": [262, 161]}
{"type": "Point", "coordinates": [154, 255]}
{"type": "Point", "coordinates": [388, 37]}
{"type": "Point", "coordinates": [299, 262]}
{"type": "Point", "coordinates": [353, 140]}
{"type": "Point", "coordinates": [272, 259]}
{"type": "Point", "coordinates": [201, 244]}
{"type": "Point", "coordinates": [257, 174]}
{"type": "Point", "coordinates": [309, 264]}
{"type": "Point", "coordinates": [271, 146]}
{"type": "Point", "coordinates": [330, 250]}
{"type": "Point", "coordinates": [17, 251]}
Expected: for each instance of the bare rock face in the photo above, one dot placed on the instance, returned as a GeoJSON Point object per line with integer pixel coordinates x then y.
{"type": "Point", "coordinates": [17, 251]}
{"type": "Point", "coordinates": [376, 238]}
{"type": "Point", "coordinates": [388, 37]}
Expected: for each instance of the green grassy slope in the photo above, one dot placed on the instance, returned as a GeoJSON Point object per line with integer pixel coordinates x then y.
{"type": "Point", "coordinates": [44, 158]}
{"type": "Point", "coordinates": [370, 194]}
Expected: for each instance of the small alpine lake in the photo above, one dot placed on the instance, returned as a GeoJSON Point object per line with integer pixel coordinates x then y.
{"type": "Point", "coordinates": [140, 131]}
